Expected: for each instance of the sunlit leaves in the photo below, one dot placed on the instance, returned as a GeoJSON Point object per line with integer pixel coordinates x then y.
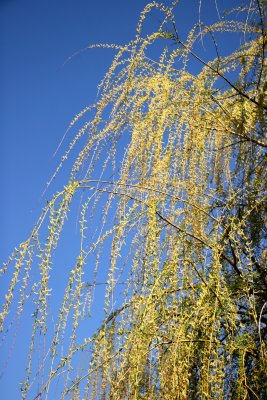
{"type": "Point", "coordinates": [172, 183]}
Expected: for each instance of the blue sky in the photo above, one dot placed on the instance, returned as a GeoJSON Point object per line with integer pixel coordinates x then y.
{"type": "Point", "coordinates": [38, 100]}
{"type": "Point", "coordinates": [39, 96]}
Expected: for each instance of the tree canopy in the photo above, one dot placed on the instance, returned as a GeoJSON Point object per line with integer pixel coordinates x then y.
{"type": "Point", "coordinates": [168, 180]}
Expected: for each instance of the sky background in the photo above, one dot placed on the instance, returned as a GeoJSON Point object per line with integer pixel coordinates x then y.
{"type": "Point", "coordinates": [39, 96]}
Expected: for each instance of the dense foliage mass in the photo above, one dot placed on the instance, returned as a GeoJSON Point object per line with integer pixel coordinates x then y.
{"type": "Point", "coordinates": [170, 176]}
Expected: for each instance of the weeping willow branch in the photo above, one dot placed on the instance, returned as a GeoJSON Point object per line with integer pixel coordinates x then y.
{"type": "Point", "coordinates": [164, 214]}
{"type": "Point", "coordinates": [217, 71]}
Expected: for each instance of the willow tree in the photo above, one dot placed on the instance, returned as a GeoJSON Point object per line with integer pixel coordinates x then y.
{"type": "Point", "coordinates": [168, 178]}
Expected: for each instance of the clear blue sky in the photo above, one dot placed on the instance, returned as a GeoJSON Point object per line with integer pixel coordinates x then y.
{"type": "Point", "coordinates": [39, 97]}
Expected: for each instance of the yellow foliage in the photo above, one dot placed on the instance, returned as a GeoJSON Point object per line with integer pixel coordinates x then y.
{"type": "Point", "coordinates": [183, 223]}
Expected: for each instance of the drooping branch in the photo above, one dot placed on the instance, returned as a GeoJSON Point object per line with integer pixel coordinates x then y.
{"type": "Point", "coordinates": [217, 71]}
